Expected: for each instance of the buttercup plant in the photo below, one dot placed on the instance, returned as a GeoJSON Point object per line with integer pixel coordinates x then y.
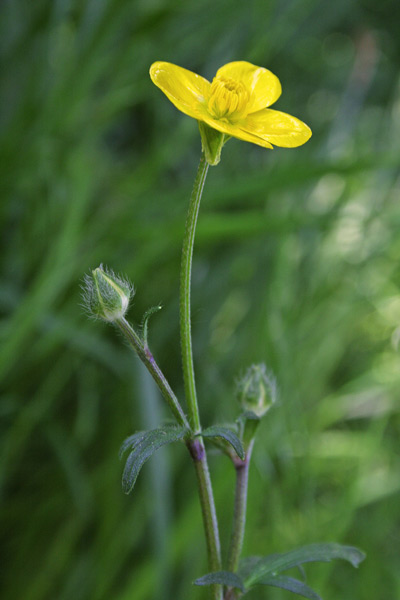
{"type": "Point", "coordinates": [235, 104]}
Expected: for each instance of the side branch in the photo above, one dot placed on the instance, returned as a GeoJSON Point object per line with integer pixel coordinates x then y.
{"type": "Point", "coordinates": [148, 360]}
{"type": "Point", "coordinates": [239, 515]}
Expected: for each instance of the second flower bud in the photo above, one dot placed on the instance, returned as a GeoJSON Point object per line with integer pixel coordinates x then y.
{"type": "Point", "coordinates": [257, 390]}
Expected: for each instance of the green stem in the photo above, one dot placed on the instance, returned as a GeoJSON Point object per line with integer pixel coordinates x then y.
{"type": "Point", "coordinates": [199, 456]}
{"type": "Point", "coordinates": [196, 447]}
{"type": "Point", "coordinates": [239, 515]}
{"type": "Point", "coordinates": [147, 358]}
{"type": "Point", "coordinates": [186, 272]}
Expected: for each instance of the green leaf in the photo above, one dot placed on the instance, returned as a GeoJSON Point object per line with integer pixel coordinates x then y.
{"type": "Point", "coordinates": [144, 445]}
{"type": "Point", "coordinates": [131, 442]}
{"type": "Point", "coordinates": [228, 436]}
{"type": "Point", "coordinates": [222, 578]}
{"type": "Point", "coordinates": [254, 569]}
{"type": "Point", "coordinates": [292, 585]}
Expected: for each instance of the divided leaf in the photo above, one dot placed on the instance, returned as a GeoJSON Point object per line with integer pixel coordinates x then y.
{"type": "Point", "coordinates": [254, 569]}
{"type": "Point", "coordinates": [143, 445]}
{"type": "Point", "coordinates": [266, 570]}
{"type": "Point", "coordinates": [215, 431]}
{"type": "Point", "coordinates": [292, 585]}
{"type": "Point", "coordinates": [223, 578]}
{"type": "Point", "coordinates": [131, 442]}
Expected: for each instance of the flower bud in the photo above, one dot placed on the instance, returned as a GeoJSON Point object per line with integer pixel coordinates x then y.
{"type": "Point", "coordinates": [257, 390]}
{"type": "Point", "coordinates": [106, 295]}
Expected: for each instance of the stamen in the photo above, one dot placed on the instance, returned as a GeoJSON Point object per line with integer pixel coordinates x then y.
{"type": "Point", "coordinates": [228, 99]}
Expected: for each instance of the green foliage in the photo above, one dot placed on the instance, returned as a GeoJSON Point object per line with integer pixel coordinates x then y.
{"type": "Point", "coordinates": [142, 446]}
{"type": "Point", "coordinates": [291, 585]}
{"type": "Point", "coordinates": [256, 570]}
{"type": "Point", "coordinates": [222, 577]}
{"type": "Point", "coordinates": [216, 431]}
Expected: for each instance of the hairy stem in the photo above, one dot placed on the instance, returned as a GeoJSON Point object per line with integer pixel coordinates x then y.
{"type": "Point", "coordinates": [148, 360]}
{"type": "Point", "coordinates": [239, 515]}
{"type": "Point", "coordinates": [196, 446]}
{"type": "Point", "coordinates": [186, 273]}
{"type": "Point", "coordinates": [198, 453]}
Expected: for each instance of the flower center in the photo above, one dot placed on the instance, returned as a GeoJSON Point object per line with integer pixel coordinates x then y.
{"type": "Point", "coordinates": [228, 98]}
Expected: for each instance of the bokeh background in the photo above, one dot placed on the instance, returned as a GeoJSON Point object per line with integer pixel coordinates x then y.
{"type": "Point", "coordinates": [296, 264]}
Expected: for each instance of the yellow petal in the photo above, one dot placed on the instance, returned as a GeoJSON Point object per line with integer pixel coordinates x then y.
{"type": "Point", "coordinates": [185, 89]}
{"type": "Point", "coordinates": [237, 130]}
{"type": "Point", "coordinates": [264, 87]}
{"type": "Point", "coordinates": [278, 128]}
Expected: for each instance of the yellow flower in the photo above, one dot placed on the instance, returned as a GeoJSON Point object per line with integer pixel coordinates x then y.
{"type": "Point", "coordinates": [235, 103]}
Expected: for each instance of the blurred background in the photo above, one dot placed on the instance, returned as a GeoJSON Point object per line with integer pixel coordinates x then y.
{"type": "Point", "coordinates": [296, 264]}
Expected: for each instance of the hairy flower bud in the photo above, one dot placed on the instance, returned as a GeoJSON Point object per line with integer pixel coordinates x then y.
{"type": "Point", "coordinates": [257, 390]}
{"type": "Point", "coordinates": [106, 295]}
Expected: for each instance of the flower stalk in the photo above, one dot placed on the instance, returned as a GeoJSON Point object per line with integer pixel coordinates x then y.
{"type": "Point", "coordinates": [196, 447]}
{"type": "Point", "coordinates": [186, 273]}
{"type": "Point", "coordinates": [239, 515]}
{"type": "Point", "coordinates": [148, 360]}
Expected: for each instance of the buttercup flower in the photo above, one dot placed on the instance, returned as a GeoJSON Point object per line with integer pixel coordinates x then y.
{"type": "Point", "coordinates": [235, 103]}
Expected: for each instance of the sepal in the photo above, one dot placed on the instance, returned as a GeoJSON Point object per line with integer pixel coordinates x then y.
{"type": "Point", "coordinates": [212, 142]}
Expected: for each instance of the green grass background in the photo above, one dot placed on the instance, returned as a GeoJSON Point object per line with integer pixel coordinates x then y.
{"type": "Point", "coordinates": [296, 264]}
